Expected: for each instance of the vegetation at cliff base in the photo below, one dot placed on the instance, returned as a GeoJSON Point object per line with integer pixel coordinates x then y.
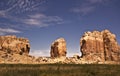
{"type": "Point", "coordinates": [59, 70]}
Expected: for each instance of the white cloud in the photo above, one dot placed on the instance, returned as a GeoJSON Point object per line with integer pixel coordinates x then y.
{"type": "Point", "coordinates": [42, 20]}
{"type": "Point", "coordinates": [97, 1]}
{"type": "Point", "coordinates": [37, 16]}
{"type": "Point", "coordinates": [87, 6]}
{"type": "Point", "coordinates": [4, 31]}
{"type": "Point", "coordinates": [38, 19]}
{"type": "Point", "coordinates": [45, 18]}
{"type": "Point", "coordinates": [53, 19]}
{"type": "Point", "coordinates": [18, 6]}
{"type": "Point", "coordinates": [32, 21]}
{"type": "Point", "coordinates": [2, 13]}
{"type": "Point", "coordinates": [83, 10]}
{"type": "Point", "coordinates": [37, 53]}
{"type": "Point", "coordinates": [46, 53]}
{"type": "Point", "coordinates": [71, 54]}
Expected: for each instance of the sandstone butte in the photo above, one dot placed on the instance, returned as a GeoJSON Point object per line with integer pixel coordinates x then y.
{"type": "Point", "coordinates": [99, 46]}
{"type": "Point", "coordinates": [12, 44]}
{"type": "Point", "coordinates": [58, 48]}
{"type": "Point", "coordinates": [13, 49]}
{"type": "Point", "coordinates": [96, 47]}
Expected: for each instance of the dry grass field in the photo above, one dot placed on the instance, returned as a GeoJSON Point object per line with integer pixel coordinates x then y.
{"type": "Point", "coordinates": [59, 70]}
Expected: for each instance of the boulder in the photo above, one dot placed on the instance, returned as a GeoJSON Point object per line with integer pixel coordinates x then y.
{"type": "Point", "coordinates": [99, 46]}
{"type": "Point", "coordinates": [58, 48]}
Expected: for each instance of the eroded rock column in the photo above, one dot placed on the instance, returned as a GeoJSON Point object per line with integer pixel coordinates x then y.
{"type": "Point", "coordinates": [58, 48]}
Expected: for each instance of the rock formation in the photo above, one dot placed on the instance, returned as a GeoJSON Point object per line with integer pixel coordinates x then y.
{"type": "Point", "coordinates": [99, 46]}
{"type": "Point", "coordinates": [14, 50]}
{"type": "Point", "coordinates": [12, 44]}
{"type": "Point", "coordinates": [58, 48]}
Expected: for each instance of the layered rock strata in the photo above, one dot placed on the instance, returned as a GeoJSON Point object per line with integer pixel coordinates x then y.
{"type": "Point", "coordinates": [99, 46]}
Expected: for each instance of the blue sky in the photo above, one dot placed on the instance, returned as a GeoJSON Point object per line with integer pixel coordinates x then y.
{"type": "Point", "coordinates": [43, 21]}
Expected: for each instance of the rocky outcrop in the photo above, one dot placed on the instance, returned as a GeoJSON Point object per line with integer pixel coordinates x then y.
{"type": "Point", "coordinates": [99, 46]}
{"type": "Point", "coordinates": [13, 45]}
{"type": "Point", "coordinates": [58, 48]}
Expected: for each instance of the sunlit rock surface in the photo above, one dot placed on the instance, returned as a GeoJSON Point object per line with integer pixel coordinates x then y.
{"type": "Point", "coordinates": [58, 48]}
{"type": "Point", "coordinates": [14, 49]}
{"type": "Point", "coordinates": [99, 46]}
{"type": "Point", "coordinates": [12, 44]}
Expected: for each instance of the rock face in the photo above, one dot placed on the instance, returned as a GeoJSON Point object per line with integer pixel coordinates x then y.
{"type": "Point", "coordinates": [58, 48]}
{"type": "Point", "coordinates": [12, 44]}
{"type": "Point", "coordinates": [99, 46]}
